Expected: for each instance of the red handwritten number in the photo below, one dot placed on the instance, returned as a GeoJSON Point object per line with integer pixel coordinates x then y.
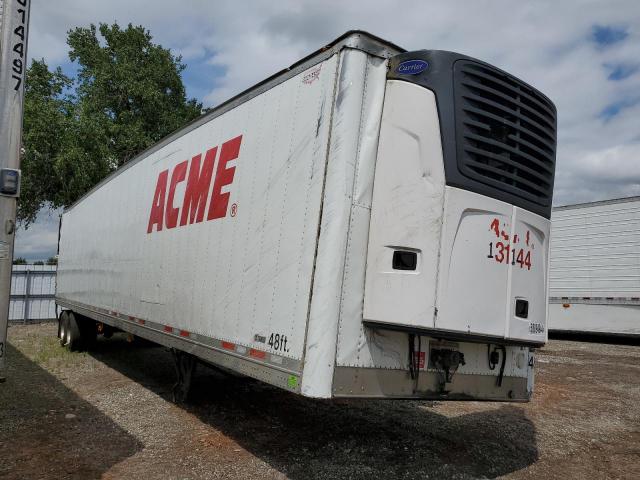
{"type": "Point", "coordinates": [495, 226]}
{"type": "Point", "coordinates": [512, 255]}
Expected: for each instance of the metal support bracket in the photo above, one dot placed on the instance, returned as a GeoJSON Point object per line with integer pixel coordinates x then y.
{"type": "Point", "coordinates": [185, 365]}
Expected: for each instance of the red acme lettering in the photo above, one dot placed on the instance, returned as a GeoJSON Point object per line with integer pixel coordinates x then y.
{"type": "Point", "coordinates": [198, 174]}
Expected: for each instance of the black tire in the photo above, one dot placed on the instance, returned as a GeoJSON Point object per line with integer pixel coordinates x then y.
{"type": "Point", "coordinates": [63, 326]}
{"type": "Point", "coordinates": [107, 331]}
{"type": "Point", "coordinates": [73, 335]}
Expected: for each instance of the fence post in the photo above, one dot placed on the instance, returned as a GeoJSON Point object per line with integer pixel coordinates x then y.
{"type": "Point", "coordinates": [27, 291]}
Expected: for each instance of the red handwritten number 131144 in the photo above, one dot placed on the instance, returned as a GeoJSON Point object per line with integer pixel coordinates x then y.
{"type": "Point", "coordinates": [505, 251]}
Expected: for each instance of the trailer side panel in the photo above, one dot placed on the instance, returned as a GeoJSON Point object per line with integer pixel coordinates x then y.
{"type": "Point", "coordinates": [237, 269]}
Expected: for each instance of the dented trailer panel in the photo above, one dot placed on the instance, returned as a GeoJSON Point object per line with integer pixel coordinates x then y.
{"type": "Point", "coordinates": [341, 257]}
{"type": "Point", "coordinates": [261, 238]}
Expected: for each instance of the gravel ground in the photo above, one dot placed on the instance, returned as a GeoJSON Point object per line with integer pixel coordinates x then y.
{"type": "Point", "coordinates": [107, 414]}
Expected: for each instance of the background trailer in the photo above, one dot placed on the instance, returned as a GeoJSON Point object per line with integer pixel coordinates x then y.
{"type": "Point", "coordinates": [366, 223]}
{"type": "Point", "coordinates": [595, 268]}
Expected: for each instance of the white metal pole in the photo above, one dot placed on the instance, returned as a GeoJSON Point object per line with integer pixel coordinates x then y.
{"type": "Point", "coordinates": [14, 25]}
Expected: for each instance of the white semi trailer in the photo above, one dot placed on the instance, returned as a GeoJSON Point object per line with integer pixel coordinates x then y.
{"type": "Point", "coordinates": [595, 268]}
{"type": "Point", "coordinates": [369, 222]}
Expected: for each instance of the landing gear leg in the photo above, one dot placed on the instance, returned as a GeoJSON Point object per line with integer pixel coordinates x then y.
{"type": "Point", "coordinates": [185, 364]}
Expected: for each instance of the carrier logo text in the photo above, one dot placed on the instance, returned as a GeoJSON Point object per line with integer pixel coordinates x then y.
{"type": "Point", "coordinates": [412, 67]}
{"type": "Point", "coordinates": [198, 174]}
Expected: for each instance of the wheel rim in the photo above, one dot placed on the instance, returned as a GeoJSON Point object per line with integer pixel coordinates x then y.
{"type": "Point", "coordinates": [62, 334]}
{"type": "Point", "coordinates": [67, 333]}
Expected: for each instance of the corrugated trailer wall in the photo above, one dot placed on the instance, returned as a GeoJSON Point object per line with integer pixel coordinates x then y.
{"type": "Point", "coordinates": [594, 268]}
{"type": "Point", "coordinates": [33, 290]}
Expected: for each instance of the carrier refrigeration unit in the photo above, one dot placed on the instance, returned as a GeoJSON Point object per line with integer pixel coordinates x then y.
{"type": "Point", "coordinates": [369, 222]}
{"type": "Point", "coordinates": [595, 268]}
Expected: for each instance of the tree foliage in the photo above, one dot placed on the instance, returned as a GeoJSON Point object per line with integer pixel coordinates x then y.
{"type": "Point", "coordinates": [48, 116]}
{"type": "Point", "coordinates": [20, 261]}
{"type": "Point", "coordinates": [127, 95]}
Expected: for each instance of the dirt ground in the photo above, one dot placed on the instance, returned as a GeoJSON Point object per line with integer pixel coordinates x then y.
{"type": "Point", "coordinates": [107, 414]}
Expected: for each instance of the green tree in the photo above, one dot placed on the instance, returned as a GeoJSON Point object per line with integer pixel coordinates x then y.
{"type": "Point", "coordinates": [19, 261]}
{"type": "Point", "coordinates": [127, 95]}
{"type": "Point", "coordinates": [52, 261]}
{"type": "Point", "coordinates": [48, 115]}
{"type": "Point", "coordinates": [38, 262]}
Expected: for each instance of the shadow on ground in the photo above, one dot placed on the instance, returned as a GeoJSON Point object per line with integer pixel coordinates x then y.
{"type": "Point", "coordinates": [305, 438]}
{"type": "Point", "coordinates": [606, 338]}
{"type": "Point", "coordinates": [35, 430]}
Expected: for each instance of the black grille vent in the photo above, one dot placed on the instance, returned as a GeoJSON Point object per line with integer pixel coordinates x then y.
{"type": "Point", "coordinates": [506, 132]}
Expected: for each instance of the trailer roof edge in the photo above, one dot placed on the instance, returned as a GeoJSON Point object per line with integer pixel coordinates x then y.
{"type": "Point", "coordinates": [355, 39]}
{"type": "Point", "coordinates": [611, 201]}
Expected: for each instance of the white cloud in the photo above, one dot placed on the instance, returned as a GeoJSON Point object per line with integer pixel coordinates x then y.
{"type": "Point", "coordinates": [40, 240]}
{"type": "Point", "coordinates": [547, 43]}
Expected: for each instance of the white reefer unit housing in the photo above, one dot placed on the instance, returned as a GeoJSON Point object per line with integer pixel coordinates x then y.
{"type": "Point", "coordinates": [595, 268]}
{"type": "Point", "coordinates": [367, 223]}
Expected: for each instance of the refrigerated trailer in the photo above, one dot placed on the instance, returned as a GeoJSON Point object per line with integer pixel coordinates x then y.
{"type": "Point", "coordinates": [595, 268]}
{"type": "Point", "coordinates": [369, 222]}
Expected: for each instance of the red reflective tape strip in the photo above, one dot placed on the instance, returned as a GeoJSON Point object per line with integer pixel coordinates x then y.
{"type": "Point", "coordinates": [184, 333]}
{"type": "Point", "coordinates": [257, 353]}
{"type": "Point", "coordinates": [133, 319]}
{"type": "Point", "coordinates": [167, 328]}
{"type": "Point", "coordinates": [228, 346]}
{"type": "Point", "coordinates": [141, 321]}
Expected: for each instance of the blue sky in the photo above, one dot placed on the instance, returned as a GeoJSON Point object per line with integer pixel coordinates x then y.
{"type": "Point", "coordinates": [606, 35]}
{"type": "Point", "coordinates": [585, 55]}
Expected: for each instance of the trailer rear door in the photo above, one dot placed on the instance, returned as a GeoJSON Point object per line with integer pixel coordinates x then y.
{"type": "Point", "coordinates": [442, 258]}
{"type": "Point", "coordinates": [405, 226]}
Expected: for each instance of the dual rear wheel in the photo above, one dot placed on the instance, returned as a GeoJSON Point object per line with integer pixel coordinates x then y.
{"type": "Point", "coordinates": [75, 331]}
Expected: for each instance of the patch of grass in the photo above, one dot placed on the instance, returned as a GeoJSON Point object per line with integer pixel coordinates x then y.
{"type": "Point", "coordinates": [49, 353]}
{"type": "Point", "coordinates": [45, 350]}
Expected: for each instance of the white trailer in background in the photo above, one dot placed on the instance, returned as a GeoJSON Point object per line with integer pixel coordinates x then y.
{"type": "Point", "coordinates": [366, 223]}
{"type": "Point", "coordinates": [595, 268]}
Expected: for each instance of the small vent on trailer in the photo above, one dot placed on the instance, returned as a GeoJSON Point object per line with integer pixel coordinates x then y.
{"type": "Point", "coordinates": [506, 132]}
